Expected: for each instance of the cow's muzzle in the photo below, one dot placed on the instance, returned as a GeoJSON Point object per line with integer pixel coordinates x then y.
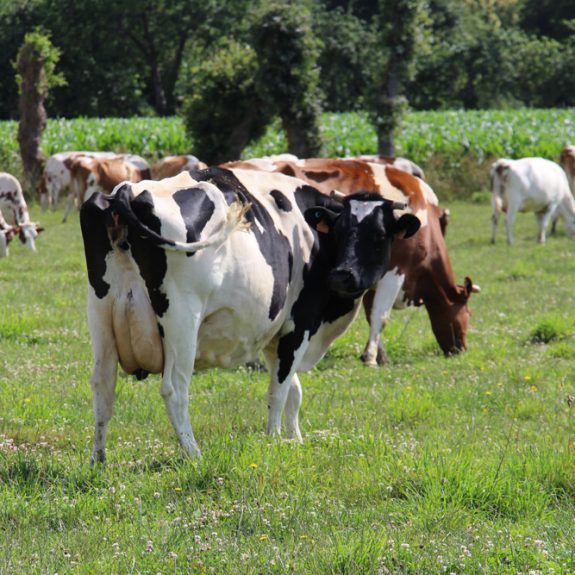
{"type": "Point", "coordinates": [345, 282]}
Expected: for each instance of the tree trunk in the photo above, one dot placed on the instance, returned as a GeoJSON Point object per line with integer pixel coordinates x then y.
{"type": "Point", "coordinates": [390, 111]}
{"type": "Point", "coordinates": [33, 118]}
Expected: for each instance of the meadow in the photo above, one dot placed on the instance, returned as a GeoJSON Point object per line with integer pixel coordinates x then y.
{"type": "Point", "coordinates": [425, 466]}
{"type": "Point", "coordinates": [428, 465]}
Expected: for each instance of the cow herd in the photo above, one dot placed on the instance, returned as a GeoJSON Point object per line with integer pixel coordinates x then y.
{"type": "Point", "coordinates": [191, 267]}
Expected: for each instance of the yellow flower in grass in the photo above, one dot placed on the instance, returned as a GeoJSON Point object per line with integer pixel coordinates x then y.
{"type": "Point", "coordinates": [527, 378]}
{"type": "Point", "coordinates": [534, 389]}
{"type": "Point", "coordinates": [178, 489]}
{"type": "Point", "coordinates": [264, 537]}
{"type": "Point", "coordinates": [254, 465]}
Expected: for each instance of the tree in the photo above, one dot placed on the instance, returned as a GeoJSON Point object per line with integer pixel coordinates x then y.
{"type": "Point", "coordinates": [398, 25]}
{"type": "Point", "coordinates": [223, 111]}
{"type": "Point", "coordinates": [348, 46]}
{"type": "Point", "coordinates": [287, 78]}
{"type": "Point", "coordinates": [36, 74]}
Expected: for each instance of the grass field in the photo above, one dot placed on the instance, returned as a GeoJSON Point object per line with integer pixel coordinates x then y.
{"type": "Point", "coordinates": [431, 465]}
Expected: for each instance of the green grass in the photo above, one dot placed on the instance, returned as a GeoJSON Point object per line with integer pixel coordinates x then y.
{"type": "Point", "coordinates": [429, 465]}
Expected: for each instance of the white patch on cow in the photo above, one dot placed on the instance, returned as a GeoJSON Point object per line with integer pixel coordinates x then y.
{"type": "Point", "coordinates": [362, 209]}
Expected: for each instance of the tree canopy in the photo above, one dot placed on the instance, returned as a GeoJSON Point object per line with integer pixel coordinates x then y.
{"type": "Point", "coordinates": [136, 57]}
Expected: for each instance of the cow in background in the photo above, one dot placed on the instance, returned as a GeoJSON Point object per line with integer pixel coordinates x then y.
{"type": "Point", "coordinates": [14, 210]}
{"type": "Point", "coordinates": [567, 161]}
{"type": "Point", "coordinates": [530, 185]}
{"type": "Point", "coordinates": [420, 271]}
{"type": "Point", "coordinates": [189, 273]}
{"type": "Point", "coordinates": [89, 175]}
{"type": "Point", "coordinates": [402, 164]}
{"type": "Point", "coordinates": [7, 233]}
{"type": "Point", "coordinates": [173, 165]}
{"type": "Point", "coordinates": [57, 178]}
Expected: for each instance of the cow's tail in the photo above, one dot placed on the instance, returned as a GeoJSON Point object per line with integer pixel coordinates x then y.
{"type": "Point", "coordinates": [499, 172]}
{"type": "Point", "coordinates": [234, 222]}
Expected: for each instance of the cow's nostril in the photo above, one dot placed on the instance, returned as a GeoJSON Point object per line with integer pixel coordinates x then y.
{"type": "Point", "coordinates": [343, 280]}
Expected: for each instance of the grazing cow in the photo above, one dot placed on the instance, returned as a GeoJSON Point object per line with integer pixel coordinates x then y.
{"type": "Point", "coordinates": [88, 175]}
{"type": "Point", "coordinates": [15, 210]}
{"type": "Point", "coordinates": [420, 270]}
{"type": "Point", "coordinates": [6, 235]}
{"type": "Point", "coordinates": [530, 185]}
{"type": "Point", "coordinates": [193, 273]}
{"type": "Point", "coordinates": [567, 161]}
{"type": "Point", "coordinates": [400, 163]}
{"type": "Point", "coordinates": [174, 165]}
{"type": "Point", "coordinates": [58, 179]}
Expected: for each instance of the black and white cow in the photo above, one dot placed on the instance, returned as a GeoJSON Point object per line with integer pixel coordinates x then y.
{"type": "Point", "coordinates": [194, 273]}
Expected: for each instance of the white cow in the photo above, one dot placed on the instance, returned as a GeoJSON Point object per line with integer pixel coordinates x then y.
{"type": "Point", "coordinates": [567, 161]}
{"type": "Point", "coordinates": [530, 185]}
{"type": "Point", "coordinates": [15, 210]}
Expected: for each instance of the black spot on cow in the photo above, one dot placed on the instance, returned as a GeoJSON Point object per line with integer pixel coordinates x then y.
{"type": "Point", "coordinates": [93, 221]}
{"type": "Point", "coordinates": [273, 245]}
{"type": "Point", "coordinates": [196, 208]}
{"type": "Point", "coordinates": [282, 202]}
{"type": "Point", "coordinates": [151, 259]}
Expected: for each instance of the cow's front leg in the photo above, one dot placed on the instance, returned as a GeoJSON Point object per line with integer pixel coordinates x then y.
{"type": "Point", "coordinates": [284, 384]}
{"type": "Point", "coordinates": [543, 221]}
{"type": "Point", "coordinates": [292, 406]}
{"type": "Point", "coordinates": [377, 306]}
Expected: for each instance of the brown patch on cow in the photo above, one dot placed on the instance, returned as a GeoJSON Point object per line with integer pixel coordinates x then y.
{"type": "Point", "coordinates": [169, 167]}
{"type": "Point", "coordinates": [287, 170]}
{"type": "Point", "coordinates": [501, 169]}
{"type": "Point", "coordinates": [409, 185]}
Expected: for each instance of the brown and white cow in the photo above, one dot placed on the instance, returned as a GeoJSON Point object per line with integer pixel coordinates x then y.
{"type": "Point", "coordinates": [14, 211]}
{"type": "Point", "coordinates": [567, 161]}
{"type": "Point", "coordinates": [420, 271]}
{"type": "Point", "coordinates": [400, 163]}
{"type": "Point", "coordinates": [173, 165]}
{"type": "Point", "coordinates": [91, 174]}
{"type": "Point", "coordinates": [57, 178]}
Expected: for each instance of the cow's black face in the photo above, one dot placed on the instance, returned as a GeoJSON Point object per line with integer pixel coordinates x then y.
{"type": "Point", "coordinates": [362, 235]}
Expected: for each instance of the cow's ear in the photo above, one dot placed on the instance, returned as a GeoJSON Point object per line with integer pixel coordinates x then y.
{"type": "Point", "coordinates": [406, 226]}
{"type": "Point", "coordinates": [320, 219]}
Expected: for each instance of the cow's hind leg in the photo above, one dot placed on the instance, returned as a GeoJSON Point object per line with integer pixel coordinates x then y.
{"type": "Point", "coordinates": [103, 380]}
{"type": "Point", "coordinates": [178, 370]}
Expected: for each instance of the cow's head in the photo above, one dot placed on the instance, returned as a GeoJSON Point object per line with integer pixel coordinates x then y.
{"type": "Point", "coordinates": [362, 233]}
{"type": "Point", "coordinates": [450, 324]}
{"type": "Point", "coordinates": [28, 232]}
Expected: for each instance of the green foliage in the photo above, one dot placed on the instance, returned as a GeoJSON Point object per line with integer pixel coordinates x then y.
{"type": "Point", "coordinates": [287, 77]}
{"type": "Point", "coordinates": [40, 46]}
{"type": "Point", "coordinates": [223, 111]}
{"type": "Point", "coordinates": [551, 328]}
{"type": "Point", "coordinates": [348, 45]}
